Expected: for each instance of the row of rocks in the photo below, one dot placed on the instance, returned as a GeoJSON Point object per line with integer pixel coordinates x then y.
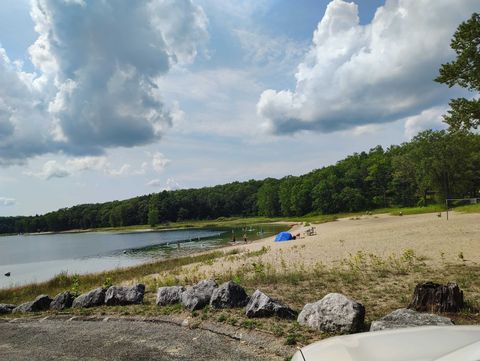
{"type": "Point", "coordinates": [227, 295]}
{"type": "Point", "coordinates": [113, 296]}
{"type": "Point", "coordinates": [334, 313]}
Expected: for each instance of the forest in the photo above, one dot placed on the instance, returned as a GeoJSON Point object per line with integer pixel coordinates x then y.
{"type": "Point", "coordinates": [433, 166]}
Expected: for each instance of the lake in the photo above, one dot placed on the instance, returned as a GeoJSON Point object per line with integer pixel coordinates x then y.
{"type": "Point", "coordinates": [36, 258]}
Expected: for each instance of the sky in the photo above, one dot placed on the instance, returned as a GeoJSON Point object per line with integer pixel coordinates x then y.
{"type": "Point", "coordinates": [103, 100]}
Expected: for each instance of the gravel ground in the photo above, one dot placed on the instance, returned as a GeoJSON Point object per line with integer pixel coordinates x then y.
{"type": "Point", "coordinates": [54, 339]}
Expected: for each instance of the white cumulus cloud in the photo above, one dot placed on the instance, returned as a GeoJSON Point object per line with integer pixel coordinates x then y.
{"type": "Point", "coordinates": [51, 169]}
{"type": "Point", "coordinates": [355, 74]}
{"type": "Point", "coordinates": [94, 84]}
{"type": "Point", "coordinates": [428, 119]}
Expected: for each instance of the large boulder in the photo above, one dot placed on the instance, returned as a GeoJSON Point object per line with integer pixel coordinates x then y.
{"type": "Point", "coordinates": [41, 303]}
{"type": "Point", "coordinates": [122, 296]}
{"type": "Point", "coordinates": [61, 301]}
{"type": "Point", "coordinates": [198, 296]}
{"type": "Point", "coordinates": [409, 318]}
{"type": "Point", "coordinates": [229, 295]}
{"type": "Point", "coordinates": [333, 313]}
{"type": "Point", "coordinates": [261, 305]}
{"type": "Point", "coordinates": [434, 297]}
{"type": "Point", "coordinates": [6, 308]}
{"type": "Point", "coordinates": [169, 295]}
{"type": "Point", "coordinates": [92, 298]}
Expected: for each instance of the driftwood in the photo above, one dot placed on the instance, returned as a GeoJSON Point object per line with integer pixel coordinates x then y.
{"type": "Point", "coordinates": [433, 297]}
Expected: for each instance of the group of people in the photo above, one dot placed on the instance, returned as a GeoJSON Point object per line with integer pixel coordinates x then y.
{"type": "Point", "coordinates": [234, 239]}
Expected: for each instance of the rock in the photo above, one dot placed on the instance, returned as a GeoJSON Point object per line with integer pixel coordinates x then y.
{"type": "Point", "coordinates": [229, 295]}
{"type": "Point", "coordinates": [433, 297]}
{"type": "Point", "coordinates": [260, 305]}
{"type": "Point", "coordinates": [169, 295]}
{"type": "Point", "coordinates": [198, 296]}
{"type": "Point", "coordinates": [333, 313]}
{"type": "Point", "coordinates": [409, 318]}
{"type": "Point", "coordinates": [92, 298]}
{"type": "Point", "coordinates": [6, 308]}
{"type": "Point", "coordinates": [122, 296]}
{"type": "Point", "coordinates": [61, 301]}
{"type": "Point", "coordinates": [41, 303]}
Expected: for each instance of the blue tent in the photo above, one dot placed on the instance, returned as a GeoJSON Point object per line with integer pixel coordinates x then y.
{"type": "Point", "coordinates": [283, 236]}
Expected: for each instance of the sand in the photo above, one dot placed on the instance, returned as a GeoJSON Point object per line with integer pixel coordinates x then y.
{"type": "Point", "coordinates": [431, 237]}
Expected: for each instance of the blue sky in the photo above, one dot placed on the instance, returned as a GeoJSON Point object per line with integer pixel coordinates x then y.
{"type": "Point", "coordinates": [103, 100]}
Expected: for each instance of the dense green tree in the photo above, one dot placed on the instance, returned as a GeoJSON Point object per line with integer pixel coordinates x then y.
{"type": "Point", "coordinates": [465, 72]}
{"type": "Point", "coordinates": [267, 198]}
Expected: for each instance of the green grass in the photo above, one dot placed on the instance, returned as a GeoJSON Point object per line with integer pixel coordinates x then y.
{"type": "Point", "coordinates": [474, 208]}
{"type": "Point", "coordinates": [433, 208]}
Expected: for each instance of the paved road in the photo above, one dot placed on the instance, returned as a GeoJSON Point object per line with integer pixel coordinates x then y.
{"type": "Point", "coordinates": [118, 340]}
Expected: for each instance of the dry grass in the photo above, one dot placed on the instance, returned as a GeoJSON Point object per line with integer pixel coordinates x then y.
{"type": "Point", "coordinates": [380, 284]}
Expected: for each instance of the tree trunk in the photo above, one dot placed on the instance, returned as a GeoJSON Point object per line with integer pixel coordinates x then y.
{"type": "Point", "coordinates": [433, 297]}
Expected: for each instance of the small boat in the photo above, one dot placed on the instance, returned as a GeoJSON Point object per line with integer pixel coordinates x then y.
{"type": "Point", "coordinates": [7, 274]}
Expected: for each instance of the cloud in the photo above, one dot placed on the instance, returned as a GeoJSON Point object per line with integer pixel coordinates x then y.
{"type": "Point", "coordinates": [51, 169]}
{"type": "Point", "coordinates": [5, 202]}
{"type": "Point", "coordinates": [159, 162]}
{"type": "Point", "coordinates": [87, 163]}
{"type": "Point", "coordinates": [170, 185]}
{"type": "Point", "coordinates": [355, 74]}
{"type": "Point", "coordinates": [428, 119]}
{"type": "Point", "coordinates": [366, 129]}
{"type": "Point", "coordinates": [21, 114]}
{"type": "Point", "coordinates": [123, 170]}
{"type": "Point", "coordinates": [219, 101]}
{"type": "Point", "coordinates": [54, 169]}
{"type": "Point", "coordinates": [268, 50]}
{"type": "Point", "coordinates": [94, 86]}
{"type": "Point", "coordinates": [155, 183]}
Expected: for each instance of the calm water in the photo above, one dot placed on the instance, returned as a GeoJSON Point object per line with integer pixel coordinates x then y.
{"type": "Point", "coordinates": [35, 258]}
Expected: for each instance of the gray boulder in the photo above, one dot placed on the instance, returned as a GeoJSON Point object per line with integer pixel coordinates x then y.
{"type": "Point", "coordinates": [229, 295]}
{"type": "Point", "coordinates": [409, 318]}
{"type": "Point", "coordinates": [333, 313]}
{"type": "Point", "coordinates": [61, 301]}
{"type": "Point", "coordinates": [41, 303]}
{"type": "Point", "coordinates": [198, 296]}
{"type": "Point", "coordinates": [260, 305]}
{"type": "Point", "coordinates": [123, 296]}
{"type": "Point", "coordinates": [6, 308]}
{"type": "Point", "coordinates": [92, 298]}
{"type": "Point", "coordinates": [169, 295]}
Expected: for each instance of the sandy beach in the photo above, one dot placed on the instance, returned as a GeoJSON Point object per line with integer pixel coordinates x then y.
{"type": "Point", "coordinates": [432, 238]}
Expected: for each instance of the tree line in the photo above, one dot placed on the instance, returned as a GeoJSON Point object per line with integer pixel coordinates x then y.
{"type": "Point", "coordinates": [434, 165]}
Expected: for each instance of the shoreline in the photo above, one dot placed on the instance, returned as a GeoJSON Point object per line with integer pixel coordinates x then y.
{"type": "Point", "coordinates": [322, 248]}
{"type": "Point", "coordinates": [181, 252]}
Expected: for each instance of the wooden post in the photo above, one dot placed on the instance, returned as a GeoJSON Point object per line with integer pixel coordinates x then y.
{"type": "Point", "coordinates": [446, 203]}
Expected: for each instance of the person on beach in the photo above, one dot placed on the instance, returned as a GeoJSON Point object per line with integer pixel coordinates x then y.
{"type": "Point", "coordinates": [245, 237]}
{"type": "Point", "coordinates": [234, 240]}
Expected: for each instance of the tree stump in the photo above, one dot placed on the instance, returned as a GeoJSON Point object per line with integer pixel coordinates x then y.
{"type": "Point", "coordinates": [433, 297]}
